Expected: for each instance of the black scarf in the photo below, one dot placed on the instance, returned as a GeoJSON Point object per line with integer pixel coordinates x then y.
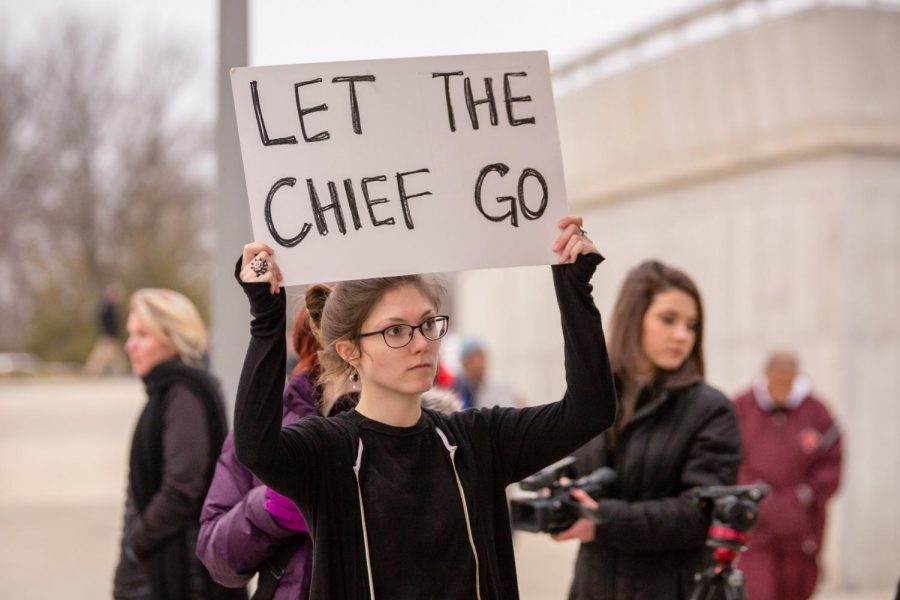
{"type": "Point", "coordinates": [168, 564]}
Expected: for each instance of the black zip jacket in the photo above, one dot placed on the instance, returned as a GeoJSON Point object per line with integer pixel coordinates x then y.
{"type": "Point", "coordinates": [313, 461]}
{"type": "Point", "coordinates": [651, 536]}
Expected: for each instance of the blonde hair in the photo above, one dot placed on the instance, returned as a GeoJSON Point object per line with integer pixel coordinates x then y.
{"type": "Point", "coordinates": [174, 320]}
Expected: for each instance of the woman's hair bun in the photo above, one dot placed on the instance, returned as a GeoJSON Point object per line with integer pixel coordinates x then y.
{"type": "Point", "coordinates": [316, 297]}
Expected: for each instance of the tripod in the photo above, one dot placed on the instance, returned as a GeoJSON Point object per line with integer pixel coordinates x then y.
{"type": "Point", "coordinates": [734, 512]}
{"type": "Point", "coordinates": [722, 581]}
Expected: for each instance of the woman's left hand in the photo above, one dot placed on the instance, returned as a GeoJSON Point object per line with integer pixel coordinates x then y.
{"type": "Point", "coordinates": [583, 529]}
{"type": "Point", "coordinates": [584, 499]}
{"type": "Point", "coordinates": [572, 240]}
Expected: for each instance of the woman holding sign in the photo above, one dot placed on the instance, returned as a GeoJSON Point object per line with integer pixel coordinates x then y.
{"type": "Point", "coordinates": [401, 501]}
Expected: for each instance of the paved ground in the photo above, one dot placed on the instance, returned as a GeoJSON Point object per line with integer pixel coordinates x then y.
{"type": "Point", "coordinates": [63, 460]}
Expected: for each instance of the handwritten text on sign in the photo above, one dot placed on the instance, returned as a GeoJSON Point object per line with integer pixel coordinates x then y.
{"type": "Point", "coordinates": [386, 167]}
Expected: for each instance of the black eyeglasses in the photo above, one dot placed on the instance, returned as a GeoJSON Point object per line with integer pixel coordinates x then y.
{"type": "Point", "coordinates": [400, 335]}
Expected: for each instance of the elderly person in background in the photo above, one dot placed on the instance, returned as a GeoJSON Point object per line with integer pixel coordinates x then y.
{"type": "Point", "coordinates": [791, 443]}
{"type": "Point", "coordinates": [173, 453]}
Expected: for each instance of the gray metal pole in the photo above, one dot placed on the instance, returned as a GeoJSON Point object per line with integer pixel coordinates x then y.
{"type": "Point", "coordinates": [230, 315]}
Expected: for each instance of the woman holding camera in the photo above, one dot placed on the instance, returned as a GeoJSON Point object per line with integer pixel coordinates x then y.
{"type": "Point", "coordinates": [401, 501]}
{"type": "Point", "coordinates": [673, 433]}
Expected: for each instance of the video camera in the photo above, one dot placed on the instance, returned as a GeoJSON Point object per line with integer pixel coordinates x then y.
{"type": "Point", "coordinates": [552, 510]}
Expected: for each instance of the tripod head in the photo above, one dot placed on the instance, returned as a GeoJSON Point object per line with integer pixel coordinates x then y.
{"type": "Point", "coordinates": [734, 510]}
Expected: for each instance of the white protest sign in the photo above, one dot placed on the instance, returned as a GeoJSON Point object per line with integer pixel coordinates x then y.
{"type": "Point", "coordinates": [389, 167]}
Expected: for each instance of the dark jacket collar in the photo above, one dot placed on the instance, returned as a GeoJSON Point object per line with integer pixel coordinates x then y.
{"type": "Point", "coordinates": [664, 386]}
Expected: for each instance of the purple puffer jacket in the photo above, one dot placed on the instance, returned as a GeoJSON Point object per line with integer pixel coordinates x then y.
{"type": "Point", "coordinates": [237, 535]}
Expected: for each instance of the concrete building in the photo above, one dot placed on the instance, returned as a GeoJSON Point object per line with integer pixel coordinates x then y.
{"type": "Point", "coordinates": [757, 146]}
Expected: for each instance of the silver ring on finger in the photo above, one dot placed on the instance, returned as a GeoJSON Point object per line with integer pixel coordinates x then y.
{"type": "Point", "coordinates": [260, 266]}
{"type": "Point", "coordinates": [582, 230]}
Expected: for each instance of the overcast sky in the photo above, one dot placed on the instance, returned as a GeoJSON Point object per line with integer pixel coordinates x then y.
{"type": "Point", "coordinates": [290, 31]}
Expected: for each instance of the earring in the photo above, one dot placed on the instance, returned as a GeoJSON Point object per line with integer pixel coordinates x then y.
{"type": "Point", "coordinates": [354, 379]}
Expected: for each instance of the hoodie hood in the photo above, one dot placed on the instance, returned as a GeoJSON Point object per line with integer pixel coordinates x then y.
{"type": "Point", "coordinates": [799, 391]}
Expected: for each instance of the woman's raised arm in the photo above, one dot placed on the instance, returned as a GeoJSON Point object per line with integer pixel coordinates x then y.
{"type": "Point", "coordinates": [531, 438]}
{"type": "Point", "coordinates": [282, 460]}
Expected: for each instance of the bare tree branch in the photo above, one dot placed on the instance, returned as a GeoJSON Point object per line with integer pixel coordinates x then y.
{"type": "Point", "coordinates": [101, 179]}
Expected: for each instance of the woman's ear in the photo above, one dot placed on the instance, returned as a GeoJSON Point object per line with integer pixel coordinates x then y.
{"type": "Point", "coordinates": [347, 351]}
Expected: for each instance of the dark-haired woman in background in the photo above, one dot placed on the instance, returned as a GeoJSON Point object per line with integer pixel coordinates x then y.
{"type": "Point", "coordinates": [673, 433]}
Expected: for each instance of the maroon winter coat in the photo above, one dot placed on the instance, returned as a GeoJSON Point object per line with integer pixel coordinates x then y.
{"type": "Point", "coordinates": [237, 535]}
{"type": "Point", "coordinates": [796, 450]}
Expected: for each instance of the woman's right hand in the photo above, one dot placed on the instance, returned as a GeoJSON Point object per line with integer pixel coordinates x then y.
{"type": "Point", "coordinates": [572, 240]}
{"type": "Point", "coordinates": [258, 266]}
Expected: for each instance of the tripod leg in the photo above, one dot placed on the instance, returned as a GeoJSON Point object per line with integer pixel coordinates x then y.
{"type": "Point", "coordinates": [733, 593]}
{"type": "Point", "coordinates": [709, 586]}
{"type": "Point", "coordinates": [734, 584]}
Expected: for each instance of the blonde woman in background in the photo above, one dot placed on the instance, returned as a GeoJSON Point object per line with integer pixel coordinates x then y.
{"type": "Point", "coordinates": [173, 452]}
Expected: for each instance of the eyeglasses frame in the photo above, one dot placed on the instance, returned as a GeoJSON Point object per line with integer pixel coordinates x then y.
{"type": "Point", "coordinates": [446, 319]}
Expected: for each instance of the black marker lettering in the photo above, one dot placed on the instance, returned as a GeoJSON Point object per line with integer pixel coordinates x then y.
{"type": "Point", "coordinates": [322, 135]}
{"type": "Point", "coordinates": [502, 170]}
{"type": "Point", "coordinates": [319, 210]}
{"type": "Point", "coordinates": [351, 201]}
{"type": "Point", "coordinates": [509, 99]}
{"type": "Point", "coordinates": [370, 203]}
{"type": "Point", "coordinates": [286, 242]}
{"type": "Point", "coordinates": [261, 124]}
{"type": "Point", "coordinates": [527, 212]}
{"type": "Point", "coordinates": [404, 197]}
{"type": "Point", "coordinates": [447, 77]}
{"type": "Point", "coordinates": [354, 104]}
{"type": "Point", "coordinates": [471, 103]}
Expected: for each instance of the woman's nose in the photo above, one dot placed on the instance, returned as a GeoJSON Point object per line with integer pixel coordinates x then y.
{"type": "Point", "coordinates": [418, 341]}
{"type": "Point", "coordinates": [682, 331]}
